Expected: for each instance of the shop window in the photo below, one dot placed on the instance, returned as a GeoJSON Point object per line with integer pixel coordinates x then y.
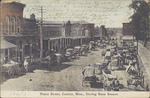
{"type": "Point", "coordinates": [13, 25]}
{"type": "Point", "coordinates": [27, 50]}
{"type": "Point", "coordinates": [86, 33]}
{"type": "Point", "coordinates": [18, 25]}
{"type": "Point", "coordinates": [7, 25]}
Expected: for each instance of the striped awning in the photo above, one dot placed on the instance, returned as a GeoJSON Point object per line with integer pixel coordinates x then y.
{"type": "Point", "coordinates": [6, 45]}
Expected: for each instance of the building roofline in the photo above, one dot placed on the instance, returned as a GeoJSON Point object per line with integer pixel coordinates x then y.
{"type": "Point", "coordinates": [17, 2]}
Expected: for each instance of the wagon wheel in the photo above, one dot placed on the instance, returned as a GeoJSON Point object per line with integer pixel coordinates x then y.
{"type": "Point", "coordinates": [18, 71]}
{"type": "Point", "coordinates": [10, 73]}
{"type": "Point", "coordinates": [109, 88]}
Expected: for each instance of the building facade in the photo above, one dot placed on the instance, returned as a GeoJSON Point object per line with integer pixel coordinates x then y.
{"type": "Point", "coordinates": [98, 33]}
{"type": "Point", "coordinates": [57, 36]}
{"type": "Point", "coordinates": [11, 26]}
{"type": "Point", "coordinates": [30, 26]}
{"type": "Point", "coordinates": [11, 17]}
{"type": "Point", "coordinates": [30, 33]}
{"type": "Point", "coordinates": [14, 32]}
{"type": "Point", "coordinates": [52, 35]}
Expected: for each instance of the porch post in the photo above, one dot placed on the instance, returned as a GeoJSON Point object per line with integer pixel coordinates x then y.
{"type": "Point", "coordinates": [48, 45]}
{"type": "Point", "coordinates": [17, 54]}
{"type": "Point", "coordinates": [22, 50]}
{"type": "Point", "coordinates": [60, 43]}
{"type": "Point", "coordinates": [8, 54]}
{"type": "Point", "coordinates": [31, 52]}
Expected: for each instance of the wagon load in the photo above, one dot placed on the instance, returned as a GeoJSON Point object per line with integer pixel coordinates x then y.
{"type": "Point", "coordinates": [88, 76]}
{"type": "Point", "coordinates": [110, 83]}
{"type": "Point", "coordinates": [77, 50]}
{"type": "Point", "coordinates": [10, 69]}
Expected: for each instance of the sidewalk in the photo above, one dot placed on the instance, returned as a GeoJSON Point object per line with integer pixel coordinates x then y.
{"type": "Point", "coordinates": [144, 55]}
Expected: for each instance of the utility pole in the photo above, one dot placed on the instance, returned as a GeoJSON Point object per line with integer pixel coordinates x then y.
{"type": "Point", "coordinates": [41, 36]}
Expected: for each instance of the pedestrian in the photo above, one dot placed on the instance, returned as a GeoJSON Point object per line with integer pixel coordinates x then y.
{"type": "Point", "coordinates": [26, 64]}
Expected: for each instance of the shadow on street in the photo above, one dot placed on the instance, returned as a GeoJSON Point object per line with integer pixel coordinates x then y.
{"type": "Point", "coordinates": [55, 67]}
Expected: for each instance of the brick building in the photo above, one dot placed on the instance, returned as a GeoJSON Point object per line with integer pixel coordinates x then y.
{"type": "Point", "coordinates": [11, 26]}
{"type": "Point", "coordinates": [81, 32]}
{"type": "Point", "coordinates": [30, 26]}
{"type": "Point", "coordinates": [11, 17]}
{"type": "Point", "coordinates": [128, 29]}
{"type": "Point", "coordinates": [98, 33]}
{"type": "Point", "coordinates": [11, 21]}
{"type": "Point", "coordinates": [53, 33]}
{"type": "Point", "coordinates": [88, 30]}
{"type": "Point", "coordinates": [61, 35]}
{"type": "Point", "coordinates": [30, 33]}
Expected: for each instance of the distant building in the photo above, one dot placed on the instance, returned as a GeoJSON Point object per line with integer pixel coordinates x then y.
{"type": "Point", "coordinates": [98, 33]}
{"type": "Point", "coordinates": [30, 26]}
{"type": "Point", "coordinates": [61, 35]}
{"type": "Point", "coordinates": [104, 31]}
{"type": "Point", "coordinates": [81, 32]}
{"type": "Point", "coordinates": [88, 30]}
{"type": "Point", "coordinates": [67, 27]}
{"type": "Point", "coordinates": [79, 28]}
{"type": "Point", "coordinates": [128, 29]}
{"type": "Point", "coordinates": [53, 34]}
{"type": "Point", "coordinates": [114, 31]}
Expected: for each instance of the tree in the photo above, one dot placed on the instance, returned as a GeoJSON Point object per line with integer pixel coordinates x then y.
{"type": "Point", "coordinates": [104, 31]}
{"type": "Point", "coordinates": [140, 19]}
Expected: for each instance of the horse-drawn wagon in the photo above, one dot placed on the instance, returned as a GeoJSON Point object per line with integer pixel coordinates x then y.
{"type": "Point", "coordinates": [10, 69]}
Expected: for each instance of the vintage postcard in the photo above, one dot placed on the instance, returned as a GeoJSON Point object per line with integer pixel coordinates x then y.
{"type": "Point", "coordinates": [75, 48]}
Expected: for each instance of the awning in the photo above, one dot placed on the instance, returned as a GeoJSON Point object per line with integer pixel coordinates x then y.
{"type": "Point", "coordinates": [6, 45]}
{"type": "Point", "coordinates": [56, 38]}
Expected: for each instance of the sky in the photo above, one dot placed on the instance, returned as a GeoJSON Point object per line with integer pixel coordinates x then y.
{"type": "Point", "coordinates": [111, 13]}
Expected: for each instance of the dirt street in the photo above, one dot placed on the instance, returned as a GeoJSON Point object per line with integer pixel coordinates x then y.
{"type": "Point", "coordinates": [66, 77]}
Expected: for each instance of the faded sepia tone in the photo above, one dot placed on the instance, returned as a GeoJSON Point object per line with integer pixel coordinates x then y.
{"type": "Point", "coordinates": [97, 48]}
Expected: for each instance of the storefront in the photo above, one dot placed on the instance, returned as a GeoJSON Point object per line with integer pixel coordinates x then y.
{"type": "Point", "coordinates": [55, 44]}
{"type": "Point", "coordinates": [25, 46]}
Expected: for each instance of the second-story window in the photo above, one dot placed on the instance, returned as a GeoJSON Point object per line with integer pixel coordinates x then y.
{"type": "Point", "coordinates": [13, 25]}
{"type": "Point", "coordinates": [7, 25]}
{"type": "Point", "coordinates": [18, 25]}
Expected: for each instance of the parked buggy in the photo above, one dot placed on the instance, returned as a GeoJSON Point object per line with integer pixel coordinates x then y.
{"type": "Point", "coordinates": [58, 58]}
{"type": "Point", "coordinates": [134, 81]}
{"type": "Point", "coordinates": [77, 50]}
{"type": "Point", "coordinates": [93, 45]}
{"type": "Point", "coordinates": [103, 52]}
{"type": "Point", "coordinates": [99, 67]}
{"type": "Point", "coordinates": [85, 48]}
{"type": "Point", "coordinates": [45, 62]}
{"type": "Point", "coordinates": [69, 54]}
{"type": "Point", "coordinates": [88, 76]}
{"type": "Point", "coordinates": [110, 82]}
{"type": "Point", "coordinates": [108, 56]}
